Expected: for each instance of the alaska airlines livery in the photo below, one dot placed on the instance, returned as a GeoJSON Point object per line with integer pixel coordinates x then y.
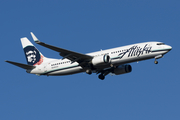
{"type": "Point", "coordinates": [111, 61]}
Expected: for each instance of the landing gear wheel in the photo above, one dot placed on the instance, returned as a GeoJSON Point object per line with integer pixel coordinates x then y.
{"type": "Point", "coordinates": [88, 71]}
{"type": "Point", "coordinates": [101, 76]}
{"type": "Point", "coordinates": [156, 62]}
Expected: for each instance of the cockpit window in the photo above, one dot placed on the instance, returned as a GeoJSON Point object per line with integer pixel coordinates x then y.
{"type": "Point", "coordinates": [160, 44]}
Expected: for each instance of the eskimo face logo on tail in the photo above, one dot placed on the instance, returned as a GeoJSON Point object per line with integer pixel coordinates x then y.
{"type": "Point", "coordinates": [33, 56]}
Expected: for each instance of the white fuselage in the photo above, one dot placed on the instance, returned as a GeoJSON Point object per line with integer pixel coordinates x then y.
{"type": "Point", "coordinates": [119, 56]}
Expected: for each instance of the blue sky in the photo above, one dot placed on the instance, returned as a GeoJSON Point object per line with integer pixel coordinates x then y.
{"type": "Point", "coordinates": [149, 92]}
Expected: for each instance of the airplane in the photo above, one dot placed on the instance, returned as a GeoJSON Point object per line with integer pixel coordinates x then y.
{"type": "Point", "coordinates": [113, 61]}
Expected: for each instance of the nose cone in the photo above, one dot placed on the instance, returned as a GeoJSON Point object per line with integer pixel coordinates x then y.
{"type": "Point", "coordinates": [169, 47]}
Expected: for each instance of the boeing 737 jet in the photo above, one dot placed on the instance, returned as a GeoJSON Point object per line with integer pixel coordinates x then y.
{"type": "Point", "coordinates": [111, 61]}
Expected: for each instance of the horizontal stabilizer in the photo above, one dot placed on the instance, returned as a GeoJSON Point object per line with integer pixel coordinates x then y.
{"type": "Point", "coordinates": [24, 66]}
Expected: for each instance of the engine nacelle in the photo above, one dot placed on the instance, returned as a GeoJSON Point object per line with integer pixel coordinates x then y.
{"type": "Point", "coordinates": [100, 60]}
{"type": "Point", "coordinates": [122, 69]}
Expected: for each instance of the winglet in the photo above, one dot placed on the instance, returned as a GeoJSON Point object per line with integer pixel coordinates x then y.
{"type": "Point", "coordinates": [34, 38]}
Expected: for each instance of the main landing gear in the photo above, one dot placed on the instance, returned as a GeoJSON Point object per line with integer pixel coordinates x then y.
{"type": "Point", "coordinates": [88, 71]}
{"type": "Point", "coordinates": [101, 76]}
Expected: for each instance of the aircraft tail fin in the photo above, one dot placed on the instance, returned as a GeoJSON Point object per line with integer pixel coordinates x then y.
{"type": "Point", "coordinates": [33, 56]}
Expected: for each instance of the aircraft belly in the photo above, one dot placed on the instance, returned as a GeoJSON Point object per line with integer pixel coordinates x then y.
{"type": "Point", "coordinates": [126, 60]}
{"type": "Point", "coordinates": [68, 71]}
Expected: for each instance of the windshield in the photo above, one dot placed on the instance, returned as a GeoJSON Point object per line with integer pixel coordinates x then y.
{"type": "Point", "coordinates": [160, 44]}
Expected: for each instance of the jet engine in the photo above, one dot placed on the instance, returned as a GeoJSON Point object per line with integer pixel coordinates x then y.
{"type": "Point", "coordinates": [122, 69]}
{"type": "Point", "coordinates": [101, 60]}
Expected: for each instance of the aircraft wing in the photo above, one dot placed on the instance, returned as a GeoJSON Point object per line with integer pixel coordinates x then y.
{"type": "Point", "coordinates": [71, 55]}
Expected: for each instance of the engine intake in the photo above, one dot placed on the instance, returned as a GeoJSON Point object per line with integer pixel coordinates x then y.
{"type": "Point", "coordinates": [122, 69]}
{"type": "Point", "coordinates": [100, 60]}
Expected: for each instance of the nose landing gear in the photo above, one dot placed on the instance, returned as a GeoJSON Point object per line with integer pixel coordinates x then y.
{"type": "Point", "coordinates": [157, 57]}
{"type": "Point", "coordinates": [156, 62]}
